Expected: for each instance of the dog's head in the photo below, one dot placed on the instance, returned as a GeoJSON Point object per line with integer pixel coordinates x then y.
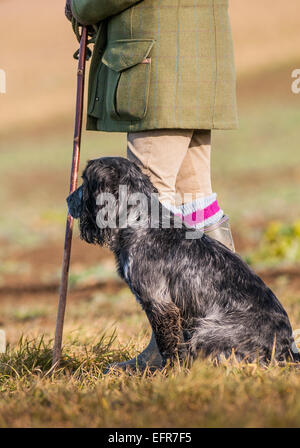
{"type": "Point", "coordinates": [99, 196]}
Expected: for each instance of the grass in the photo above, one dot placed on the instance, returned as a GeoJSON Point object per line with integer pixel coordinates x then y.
{"type": "Point", "coordinates": [28, 314]}
{"type": "Point", "coordinates": [279, 245]}
{"type": "Point", "coordinates": [81, 395]}
{"type": "Point", "coordinates": [95, 274]}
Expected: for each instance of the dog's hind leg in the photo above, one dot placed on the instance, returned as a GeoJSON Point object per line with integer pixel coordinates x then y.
{"type": "Point", "coordinates": [165, 320]}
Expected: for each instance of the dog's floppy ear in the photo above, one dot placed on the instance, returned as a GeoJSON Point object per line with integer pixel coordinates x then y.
{"type": "Point", "coordinates": [101, 176]}
{"type": "Point", "coordinates": [134, 203]}
{"type": "Point", "coordinates": [74, 201]}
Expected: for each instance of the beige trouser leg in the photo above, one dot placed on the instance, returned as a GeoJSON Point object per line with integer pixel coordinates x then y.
{"type": "Point", "coordinates": [194, 176]}
{"type": "Point", "coordinates": [176, 160]}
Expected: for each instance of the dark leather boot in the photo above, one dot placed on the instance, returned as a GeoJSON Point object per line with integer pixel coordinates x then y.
{"type": "Point", "coordinates": [221, 232]}
{"type": "Point", "coordinates": [149, 357]}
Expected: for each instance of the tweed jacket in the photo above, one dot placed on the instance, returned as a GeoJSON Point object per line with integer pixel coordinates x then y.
{"type": "Point", "coordinates": [160, 64]}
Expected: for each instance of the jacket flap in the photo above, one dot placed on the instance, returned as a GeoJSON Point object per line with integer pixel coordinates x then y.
{"type": "Point", "coordinates": [125, 53]}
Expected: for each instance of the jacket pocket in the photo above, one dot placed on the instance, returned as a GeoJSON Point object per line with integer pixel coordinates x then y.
{"type": "Point", "coordinates": [128, 78]}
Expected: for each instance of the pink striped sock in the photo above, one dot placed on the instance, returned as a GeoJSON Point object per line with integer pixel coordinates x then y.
{"type": "Point", "coordinates": [202, 212]}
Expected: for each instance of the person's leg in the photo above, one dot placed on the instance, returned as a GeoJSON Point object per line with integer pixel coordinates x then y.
{"type": "Point", "coordinates": [200, 207]}
{"type": "Point", "coordinates": [199, 204]}
{"type": "Point", "coordinates": [194, 176]}
{"type": "Point", "coordinates": [160, 154]}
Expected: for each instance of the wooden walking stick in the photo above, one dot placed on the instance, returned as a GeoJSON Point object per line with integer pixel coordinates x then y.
{"type": "Point", "coordinates": [73, 185]}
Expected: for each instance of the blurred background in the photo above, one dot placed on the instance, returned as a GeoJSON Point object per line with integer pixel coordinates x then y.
{"type": "Point", "coordinates": [256, 169]}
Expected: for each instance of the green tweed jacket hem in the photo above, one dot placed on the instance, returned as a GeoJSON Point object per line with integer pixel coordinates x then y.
{"type": "Point", "coordinates": [160, 64]}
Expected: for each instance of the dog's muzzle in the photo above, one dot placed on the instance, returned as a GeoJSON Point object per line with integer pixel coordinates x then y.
{"type": "Point", "coordinates": [75, 202]}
